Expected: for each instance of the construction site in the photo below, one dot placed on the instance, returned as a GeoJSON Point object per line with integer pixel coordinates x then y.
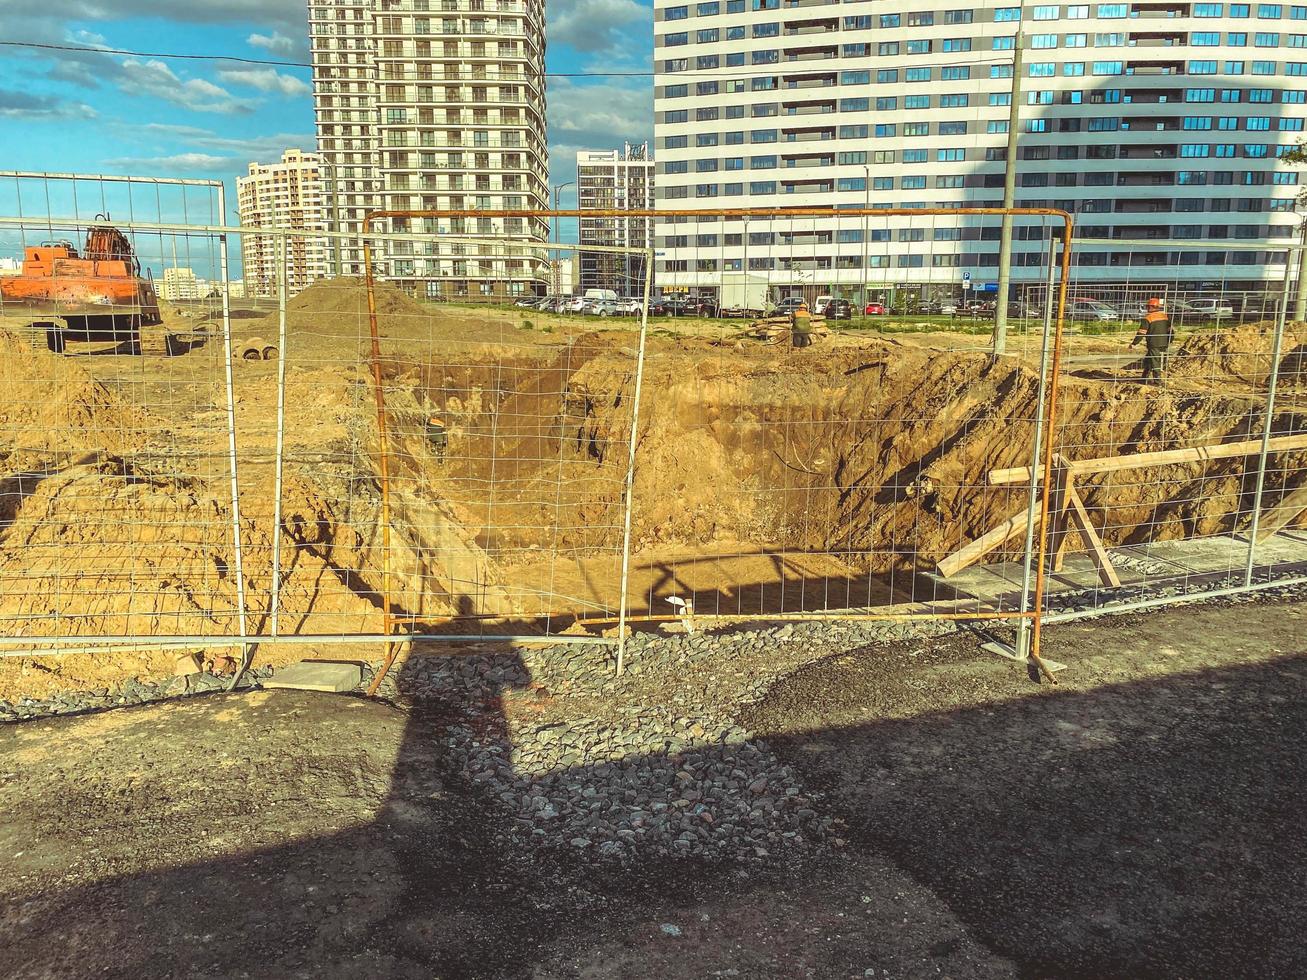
{"type": "Point", "coordinates": [656, 645]}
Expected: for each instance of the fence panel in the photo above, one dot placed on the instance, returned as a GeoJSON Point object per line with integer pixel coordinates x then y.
{"type": "Point", "coordinates": [834, 473]}
{"type": "Point", "coordinates": [118, 508]}
{"type": "Point", "coordinates": [1186, 459]}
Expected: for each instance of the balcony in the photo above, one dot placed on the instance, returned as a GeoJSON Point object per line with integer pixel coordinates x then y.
{"type": "Point", "coordinates": [1159, 11]}
{"type": "Point", "coordinates": [808, 135]}
{"type": "Point", "coordinates": [1156, 96]}
{"type": "Point", "coordinates": [1154, 67]}
{"type": "Point", "coordinates": [1150, 124]}
{"type": "Point", "coordinates": [1145, 179]}
{"type": "Point", "coordinates": [802, 28]}
{"type": "Point", "coordinates": [824, 53]}
{"type": "Point", "coordinates": [1148, 151]}
{"type": "Point", "coordinates": [1158, 39]}
{"type": "Point", "coordinates": [807, 108]}
{"type": "Point", "coordinates": [1143, 205]}
{"type": "Point", "coordinates": [808, 81]}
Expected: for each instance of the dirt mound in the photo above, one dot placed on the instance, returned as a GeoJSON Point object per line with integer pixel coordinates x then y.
{"type": "Point", "coordinates": [51, 405]}
{"type": "Point", "coordinates": [1242, 353]}
{"type": "Point", "coordinates": [349, 295]}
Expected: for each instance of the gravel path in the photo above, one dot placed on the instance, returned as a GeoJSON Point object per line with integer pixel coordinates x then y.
{"type": "Point", "coordinates": [833, 800]}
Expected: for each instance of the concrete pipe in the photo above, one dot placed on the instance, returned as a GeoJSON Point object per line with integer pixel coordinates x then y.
{"type": "Point", "coordinates": [257, 349]}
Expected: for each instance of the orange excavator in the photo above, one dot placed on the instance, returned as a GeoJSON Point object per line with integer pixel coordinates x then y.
{"type": "Point", "coordinates": [97, 295]}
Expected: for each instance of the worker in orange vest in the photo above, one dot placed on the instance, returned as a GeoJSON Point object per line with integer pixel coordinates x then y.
{"type": "Point", "coordinates": [1155, 331]}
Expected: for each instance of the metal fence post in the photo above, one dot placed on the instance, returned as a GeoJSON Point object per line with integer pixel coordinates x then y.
{"type": "Point", "coordinates": [630, 469]}
{"type": "Point", "coordinates": [1272, 380]}
{"type": "Point", "coordinates": [278, 460]}
{"type": "Point", "coordinates": [1023, 624]}
{"type": "Point", "coordinates": [224, 292]}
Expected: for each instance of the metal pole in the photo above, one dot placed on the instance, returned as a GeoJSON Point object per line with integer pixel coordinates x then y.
{"type": "Point", "coordinates": [1009, 199]}
{"type": "Point", "coordinates": [246, 649]}
{"type": "Point", "coordinates": [275, 604]}
{"type": "Point", "coordinates": [1276, 346]}
{"type": "Point", "coordinates": [1023, 625]}
{"type": "Point", "coordinates": [1300, 301]}
{"type": "Point", "coordinates": [866, 207]}
{"type": "Point", "coordinates": [383, 458]}
{"type": "Point", "coordinates": [630, 470]}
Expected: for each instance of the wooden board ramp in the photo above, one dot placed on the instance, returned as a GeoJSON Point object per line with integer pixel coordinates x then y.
{"type": "Point", "coordinates": [1067, 513]}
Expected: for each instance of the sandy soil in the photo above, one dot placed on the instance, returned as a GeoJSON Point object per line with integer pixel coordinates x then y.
{"type": "Point", "coordinates": [1139, 820]}
{"type": "Point", "coordinates": [768, 479]}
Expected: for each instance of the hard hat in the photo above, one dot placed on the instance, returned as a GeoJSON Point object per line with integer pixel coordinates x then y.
{"type": "Point", "coordinates": [1154, 303]}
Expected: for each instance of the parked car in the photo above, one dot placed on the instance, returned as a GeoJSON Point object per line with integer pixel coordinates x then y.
{"type": "Point", "coordinates": [573, 304]}
{"type": "Point", "coordinates": [629, 307]}
{"type": "Point", "coordinates": [820, 307]}
{"type": "Point", "coordinates": [1088, 310]}
{"type": "Point", "coordinates": [528, 302]}
{"type": "Point", "coordinates": [875, 309]}
{"type": "Point", "coordinates": [682, 306]}
{"type": "Point", "coordinates": [839, 309]}
{"type": "Point", "coordinates": [1214, 308]}
{"type": "Point", "coordinates": [947, 308]}
{"type": "Point", "coordinates": [788, 305]}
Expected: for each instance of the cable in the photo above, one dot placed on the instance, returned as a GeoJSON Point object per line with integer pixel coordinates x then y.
{"type": "Point", "coordinates": [712, 74]}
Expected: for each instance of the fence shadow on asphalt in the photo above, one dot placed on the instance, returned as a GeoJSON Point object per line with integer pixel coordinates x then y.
{"type": "Point", "coordinates": [1139, 829]}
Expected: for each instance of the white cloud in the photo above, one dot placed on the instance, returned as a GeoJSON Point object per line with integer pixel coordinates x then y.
{"type": "Point", "coordinates": [289, 14]}
{"type": "Point", "coordinates": [155, 79]}
{"type": "Point", "coordinates": [587, 116]}
{"type": "Point", "coordinates": [178, 163]}
{"type": "Point", "coordinates": [25, 105]}
{"type": "Point", "coordinates": [276, 42]}
{"type": "Point", "coordinates": [265, 80]}
{"type": "Point", "coordinates": [595, 25]}
{"type": "Point", "coordinates": [262, 149]}
{"type": "Point", "coordinates": [294, 48]}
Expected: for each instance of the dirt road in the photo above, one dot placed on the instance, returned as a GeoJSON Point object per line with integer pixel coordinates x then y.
{"type": "Point", "coordinates": [1142, 819]}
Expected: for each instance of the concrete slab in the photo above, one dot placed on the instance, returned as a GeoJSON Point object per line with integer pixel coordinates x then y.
{"type": "Point", "coordinates": [1142, 567]}
{"type": "Point", "coordinates": [317, 675]}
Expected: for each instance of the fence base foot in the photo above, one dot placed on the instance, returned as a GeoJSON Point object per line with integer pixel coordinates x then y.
{"type": "Point", "coordinates": [1008, 652]}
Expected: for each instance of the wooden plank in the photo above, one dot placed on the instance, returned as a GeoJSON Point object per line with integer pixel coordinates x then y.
{"type": "Point", "coordinates": [984, 544]}
{"type": "Point", "coordinates": [1058, 507]}
{"type": "Point", "coordinates": [1097, 553]}
{"type": "Point", "coordinates": [1166, 457]}
{"type": "Point", "coordinates": [1277, 518]}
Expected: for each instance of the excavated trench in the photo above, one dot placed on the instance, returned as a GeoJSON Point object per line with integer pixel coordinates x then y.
{"type": "Point", "coordinates": [765, 480]}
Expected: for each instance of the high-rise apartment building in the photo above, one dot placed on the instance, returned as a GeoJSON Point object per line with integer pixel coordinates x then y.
{"type": "Point", "coordinates": [435, 105]}
{"type": "Point", "coordinates": [181, 284]}
{"type": "Point", "coordinates": [1158, 120]}
{"type": "Point", "coordinates": [282, 195]}
{"type": "Point", "coordinates": [615, 180]}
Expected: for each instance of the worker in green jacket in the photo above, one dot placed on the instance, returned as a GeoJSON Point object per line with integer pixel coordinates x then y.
{"type": "Point", "coordinates": [1155, 331]}
{"type": "Point", "coordinates": [801, 326]}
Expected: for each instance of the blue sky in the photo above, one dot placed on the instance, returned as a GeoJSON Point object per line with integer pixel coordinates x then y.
{"type": "Point", "coordinates": [102, 113]}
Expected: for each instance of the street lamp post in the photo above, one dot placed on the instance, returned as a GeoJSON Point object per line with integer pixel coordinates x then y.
{"type": "Point", "coordinates": [1300, 300]}
{"type": "Point", "coordinates": [555, 264]}
{"type": "Point", "coordinates": [866, 206]}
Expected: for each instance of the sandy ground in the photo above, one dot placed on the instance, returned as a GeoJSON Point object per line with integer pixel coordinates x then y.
{"type": "Point", "coordinates": [767, 480]}
{"type": "Point", "coordinates": [1138, 820]}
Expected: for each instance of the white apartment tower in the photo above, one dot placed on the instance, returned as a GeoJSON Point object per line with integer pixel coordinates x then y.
{"type": "Point", "coordinates": [435, 105]}
{"type": "Point", "coordinates": [1158, 120]}
{"type": "Point", "coordinates": [282, 195]}
{"type": "Point", "coordinates": [615, 180]}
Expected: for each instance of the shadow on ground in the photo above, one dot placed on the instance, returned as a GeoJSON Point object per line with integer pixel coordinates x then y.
{"type": "Point", "coordinates": [1143, 829]}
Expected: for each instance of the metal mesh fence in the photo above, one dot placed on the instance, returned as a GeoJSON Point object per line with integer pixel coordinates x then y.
{"type": "Point", "coordinates": [766, 416]}
{"type": "Point", "coordinates": [118, 505]}
{"type": "Point", "coordinates": [1181, 436]}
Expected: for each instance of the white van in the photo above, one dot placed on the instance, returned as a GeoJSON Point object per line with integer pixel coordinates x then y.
{"type": "Point", "coordinates": [607, 294]}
